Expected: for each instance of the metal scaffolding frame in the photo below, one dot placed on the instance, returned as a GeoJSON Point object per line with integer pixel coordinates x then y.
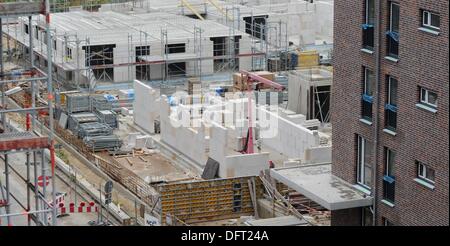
{"type": "Point", "coordinates": [260, 50]}
{"type": "Point", "coordinates": [12, 141]}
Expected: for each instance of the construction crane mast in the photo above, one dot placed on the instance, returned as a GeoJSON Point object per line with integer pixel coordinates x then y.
{"type": "Point", "coordinates": [250, 79]}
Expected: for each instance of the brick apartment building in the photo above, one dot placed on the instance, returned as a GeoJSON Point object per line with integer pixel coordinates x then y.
{"type": "Point", "coordinates": [390, 109]}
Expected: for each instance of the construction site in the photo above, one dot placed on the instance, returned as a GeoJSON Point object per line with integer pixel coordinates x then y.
{"type": "Point", "coordinates": [163, 113]}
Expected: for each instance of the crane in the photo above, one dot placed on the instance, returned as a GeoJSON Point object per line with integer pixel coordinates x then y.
{"type": "Point", "coordinates": [251, 78]}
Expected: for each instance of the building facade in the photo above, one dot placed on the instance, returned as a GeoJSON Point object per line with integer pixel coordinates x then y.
{"type": "Point", "coordinates": [390, 109]}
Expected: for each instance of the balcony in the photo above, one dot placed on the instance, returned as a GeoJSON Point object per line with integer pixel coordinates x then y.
{"type": "Point", "coordinates": [368, 36]}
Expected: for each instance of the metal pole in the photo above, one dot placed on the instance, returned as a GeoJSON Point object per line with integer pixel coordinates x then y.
{"type": "Point", "coordinates": [36, 190]}
{"type": "Point", "coordinates": [101, 202]}
{"type": "Point", "coordinates": [7, 208]}
{"type": "Point", "coordinates": [77, 75]}
{"type": "Point", "coordinates": [44, 187]}
{"type": "Point", "coordinates": [377, 104]}
{"type": "Point", "coordinates": [50, 106]}
{"type": "Point", "coordinates": [28, 188]}
{"type": "Point", "coordinates": [2, 70]}
{"type": "Point", "coordinates": [33, 84]}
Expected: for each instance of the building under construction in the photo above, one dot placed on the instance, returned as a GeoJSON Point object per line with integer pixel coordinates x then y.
{"type": "Point", "coordinates": [248, 107]}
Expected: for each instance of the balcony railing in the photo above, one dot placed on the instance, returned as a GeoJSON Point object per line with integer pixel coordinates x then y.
{"type": "Point", "coordinates": [368, 36]}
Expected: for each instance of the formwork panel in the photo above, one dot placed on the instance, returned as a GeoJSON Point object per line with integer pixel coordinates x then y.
{"type": "Point", "coordinates": [210, 200]}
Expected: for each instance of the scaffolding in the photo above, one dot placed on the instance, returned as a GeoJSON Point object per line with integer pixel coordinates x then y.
{"type": "Point", "coordinates": [12, 140]}
{"type": "Point", "coordinates": [83, 64]}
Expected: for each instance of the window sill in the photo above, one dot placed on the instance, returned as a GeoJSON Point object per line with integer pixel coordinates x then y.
{"type": "Point", "coordinates": [390, 132]}
{"type": "Point", "coordinates": [367, 122]}
{"type": "Point", "coordinates": [425, 107]}
{"type": "Point", "coordinates": [427, 30]}
{"type": "Point", "coordinates": [424, 183]}
{"type": "Point", "coordinates": [390, 204]}
{"type": "Point", "coordinates": [362, 189]}
{"type": "Point", "coordinates": [367, 51]}
{"type": "Point", "coordinates": [392, 59]}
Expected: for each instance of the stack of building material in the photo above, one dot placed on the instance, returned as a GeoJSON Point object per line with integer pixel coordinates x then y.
{"type": "Point", "coordinates": [240, 83]}
{"type": "Point", "coordinates": [126, 94]}
{"type": "Point", "coordinates": [93, 129]}
{"type": "Point", "coordinates": [99, 143]}
{"type": "Point", "coordinates": [194, 86]}
{"type": "Point", "coordinates": [77, 102]}
{"type": "Point", "coordinates": [122, 103]}
{"type": "Point", "coordinates": [108, 117]}
{"type": "Point", "coordinates": [76, 119]}
{"type": "Point", "coordinates": [100, 103]}
{"type": "Point", "coordinates": [308, 59]}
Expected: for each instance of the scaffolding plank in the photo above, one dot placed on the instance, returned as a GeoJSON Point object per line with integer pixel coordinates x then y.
{"type": "Point", "coordinates": [18, 141]}
{"type": "Point", "coordinates": [21, 8]}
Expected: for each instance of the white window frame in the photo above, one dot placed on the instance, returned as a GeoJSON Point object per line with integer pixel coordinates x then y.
{"type": "Point", "coordinates": [367, 11]}
{"type": "Point", "coordinates": [361, 165]}
{"type": "Point", "coordinates": [390, 15]}
{"type": "Point", "coordinates": [425, 100]}
{"type": "Point", "coordinates": [423, 175]}
{"type": "Point", "coordinates": [366, 76]}
{"type": "Point", "coordinates": [426, 21]}
{"type": "Point", "coordinates": [389, 89]}
{"type": "Point", "coordinates": [387, 165]}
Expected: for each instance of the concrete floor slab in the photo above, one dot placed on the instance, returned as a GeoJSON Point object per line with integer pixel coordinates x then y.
{"type": "Point", "coordinates": [318, 184]}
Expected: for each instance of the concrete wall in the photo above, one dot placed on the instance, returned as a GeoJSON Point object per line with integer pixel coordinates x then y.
{"type": "Point", "coordinates": [292, 140]}
{"type": "Point", "coordinates": [191, 142]}
{"type": "Point", "coordinates": [299, 87]}
{"type": "Point", "coordinates": [146, 106]}
{"type": "Point", "coordinates": [244, 165]}
{"type": "Point", "coordinates": [223, 142]}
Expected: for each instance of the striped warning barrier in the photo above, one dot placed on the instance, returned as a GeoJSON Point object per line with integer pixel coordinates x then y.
{"type": "Point", "coordinates": [82, 208]}
{"type": "Point", "coordinates": [59, 199]}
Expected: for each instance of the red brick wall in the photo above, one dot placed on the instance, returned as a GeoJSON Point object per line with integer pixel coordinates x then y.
{"type": "Point", "coordinates": [421, 135]}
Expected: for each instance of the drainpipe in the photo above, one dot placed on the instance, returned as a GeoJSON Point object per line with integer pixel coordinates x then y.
{"type": "Point", "coordinates": [377, 104]}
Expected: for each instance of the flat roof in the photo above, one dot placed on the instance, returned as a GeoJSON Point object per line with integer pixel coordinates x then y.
{"type": "Point", "coordinates": [318, 184]}
{"type": "Point", "coordinates": [114, 28]}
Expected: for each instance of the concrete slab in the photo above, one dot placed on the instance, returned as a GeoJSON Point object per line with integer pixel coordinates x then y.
{"type": "Point", "coordinates": [318, 184]}
{"type": "Point", "coordinates": [278, 221]}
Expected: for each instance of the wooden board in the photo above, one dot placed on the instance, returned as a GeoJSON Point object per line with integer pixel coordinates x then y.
{"type": "Point", "coordinates": [208, 200]}
{"type": "Point", "coordinates": [21, 8]}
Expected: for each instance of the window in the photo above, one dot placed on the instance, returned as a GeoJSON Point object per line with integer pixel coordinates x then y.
{"type": "Point", "coordinates": [424, 172]}
{"type": "Point", "coordinates": [393, 32]}
{"type": "Point", "coordinates": [68, 53]}
{"type": "Point", "coordinates": [368, 26]}
{"type": "Point", "coordinates": [386, 222]}
{"type": "Point", "coordinates": [389, 175]}
{"type": "Point", "coordinates": [364, 166]}
{"type": "Point", "coordinates": [27, 30]}
{"type": "Point", "coordinates": [391, 105]}
{"type": "Point", "coordinates": [44, 37]}
{"type": "Point", "coordinates": [428, 97]}
{"type": "Point", "coordinates": [367, 97]}
{"type": "Point", "coordinates": [175, 48]}
{"type": "Point", "coordinates": [36, 32]}
{"type": "Point", "coordinates": [430, 20]}
{"type": "Point", "coordinates": [69, 75]}
{"type": "Point", "coordinates": [54, 44]}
